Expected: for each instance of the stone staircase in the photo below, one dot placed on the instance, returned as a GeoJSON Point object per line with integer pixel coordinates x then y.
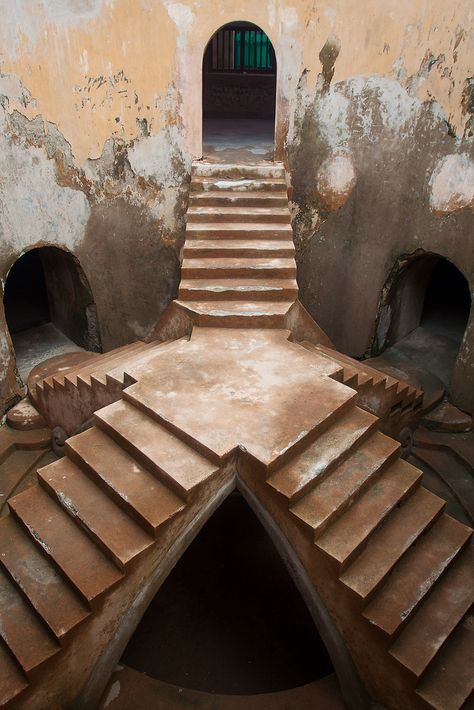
{"type": "Point", "coordinates": [238, 262]}
{"type": "Point", "coordinates": [380, 393]}
{"type": "Point", "coordinates": [68, 396]}
{"type": "Point", "coordinates": [73, 537]}
{"type": "Point", "coordinates": [408, 566]}
{"type": "Point", "coordinates": [398, 571]}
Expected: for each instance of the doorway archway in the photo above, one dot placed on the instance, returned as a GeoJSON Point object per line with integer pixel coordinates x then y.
{"type": "Point", "coordinates": [49, 307]}
{"type": "Point", "coordinates": [239, 94]}
{"type": "Point", "coordinates": [230, 594]}
{"type": "Point", "coordinates": [425, 312]}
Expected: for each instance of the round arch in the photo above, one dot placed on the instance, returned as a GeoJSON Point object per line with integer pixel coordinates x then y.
{"type": "Point", "coordinates": [351, 686]}
{"type": "Point", "coordinates": [239, 91]}
{"type": "Point", "coordinates": [47, 294]}
{"type": "Point", "coordinates": [425, 290]}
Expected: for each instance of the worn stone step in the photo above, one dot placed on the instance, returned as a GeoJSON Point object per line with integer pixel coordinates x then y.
{"type": "Point", "coordinates": [171, 459]}
{"type": "Point", "coordinates": [57, 379]}
{"type": "Point", "coordinates": [108, 361]}
{"type": "Point", "coordinates": [131, 485]}
{"type": "Point", "coordinates": [238, 314]}
{"type": "Point", "coordinates": [238, 185]}
{"type": "Point", "coordinates": [270, 289]}
{"type": "Point", "coordinates": [449, 681]}
{"type": "Point", "coordinates": [14, 469]}
{"type": "Point", "coordinates": [391, 541]}
{"type": "Point", "coordinates": [46, 589]}
{"type": "Point", "coordinates": [237, 170]}
{"type": "Point", "coordinates": [65, 543]}
{"type": "Point", "coordinates": [461, 446]}
{"type": "Point", "coordinates": [249, 198]}
{"type": "Point", "coordinates": [12, 678]}
{"type": "Point", "coordinates": [346, 482]}
{"type": "Point", "coordinates": [238, 268]}
{"type": "Point", "coordinates": [415, 574]}
{"type": "Point", "coordinates": [310, 466]}
{"type": "Point", "coordinates": [355, 373]}
{"type": "Point", "coordinates": [238, 214]}
{"type": "Point", "coordinates": [87, 504]}
{"type": "Point", "coordinates": [235, 230]}
{"type": "Point", "coordinates": [27, 637]}
{"type": "Point", "coordinates": [452, 597]}
{"type": "Point", "coordinates": [344, 539]}
{"type": "Point", "coordinates": [239, 248]}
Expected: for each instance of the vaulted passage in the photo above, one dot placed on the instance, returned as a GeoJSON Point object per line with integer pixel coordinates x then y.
{"type": "Point", "coordinates": [429, 307]}
{"type": "Point", "coordinates": [447, 302]}
{"type": "Point", "coordinates": [239, 94]}
{"type": "Point", "coordinates": [49, 307]}
{"type": "Point", "coordinates": [229, 619]}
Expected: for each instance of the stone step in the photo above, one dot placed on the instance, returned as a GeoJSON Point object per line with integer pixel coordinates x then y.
{"type": "Point", "coordinates": [415, 574]}
{"type": "Point", "coordinates": [462, 447]}
{"type": "Point", "coordinates": [448, 684]}
{"type": "Point", "coordinates": [238, 185]}
{"type": "Point", "coordinates": [272, 289]}
{"type": "Point", "coordinates": [388, 544]}
{"type": "Point", "coordinates": [310, 466]}
{"type": "Point", "coordinates": [87, 504]}
{"type": "Point", "coordinates": [235, 230]}
{"type": "Point", "coordinates": [27, 637]}
{"type": "Point", "coordinates": [12, 678]}
{"type": "Point", "coordinates": [238, 314]}
{"type": "Point", "coordinates": [451, 598]}
{"type": "Point", "coordinates": [198, 248]}
{"type": "Point", "coordinates": [107, 362]}
{"type": "Point", "coordinates": [253, 171]}
{"type": "Point", "coordinates": [15, 469]}
{"type": "Point", "coordinates": [249, 198]}
{"type": "Point", "coordinates": [47, 591]}
{"type": "Point", "coordinates": [129, 483]}
{"type": "Point", "coordinates": [75, 555]}
{"type": "Point", "coordinates": [345, 538]}
{"type": "Point", "coordinates": [346, 482]}
{"type": "Point", "coordinates": [238, 268]}
{"type": "Point", "coordinates": [92, 364]}
{"type": "Point", "coordinates": [255, 215]}
{"type": "Point", "coordinates": [168, 457]}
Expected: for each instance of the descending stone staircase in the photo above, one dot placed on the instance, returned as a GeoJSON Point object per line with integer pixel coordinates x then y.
{"type": "Point", "coordinates": [72, 538]}
{"type": "Point", "coordinates": [408, 565]}
{"type": "Point", "coordinates": [238, 263]}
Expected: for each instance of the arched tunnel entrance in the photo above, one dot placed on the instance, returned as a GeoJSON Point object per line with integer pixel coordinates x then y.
{"type": "Point", "coordinates": [229, 619]}
{"type": "Point", "coordinates": [49, 307]}
{"type": "Point", "coordinates": [425, 315]}
{"type": "Point", "coordinates": [239, 94]}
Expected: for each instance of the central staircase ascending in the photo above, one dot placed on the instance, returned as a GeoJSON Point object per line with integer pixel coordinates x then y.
{"type": "Point", "coordinates": [238, 267]}
{"type": "Point", "coordinates": [395, 571]}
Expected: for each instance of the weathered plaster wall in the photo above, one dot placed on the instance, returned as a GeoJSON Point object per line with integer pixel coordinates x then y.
{"type": "Point", "coordinates": [101, 116]}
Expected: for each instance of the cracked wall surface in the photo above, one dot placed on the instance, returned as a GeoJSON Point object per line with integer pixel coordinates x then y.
{"type": "Point", "coordinates": [100, 118]}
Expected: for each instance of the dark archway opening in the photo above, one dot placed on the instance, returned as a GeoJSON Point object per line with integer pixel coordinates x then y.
{"type": "Point", "coordinates": [429, 306]}
{"type": "Point", "coordinates": [229, 618]}
{"type": "Point", "coordinates": [239, 94]}
{"type": "Point", "coordinates": [447, 302]}
{"type": "Point", "coordinates": [49, 307]}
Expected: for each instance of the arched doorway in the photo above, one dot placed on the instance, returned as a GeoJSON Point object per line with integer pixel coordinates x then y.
{"type": "Point", "coordinates": [239, 94]}
{"type": "Point", "coordinates": [49, 307]}
{"type": "Point", "coordinates": [425, 313]}
{"type": "Point", "coordinates": [229, 620]}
